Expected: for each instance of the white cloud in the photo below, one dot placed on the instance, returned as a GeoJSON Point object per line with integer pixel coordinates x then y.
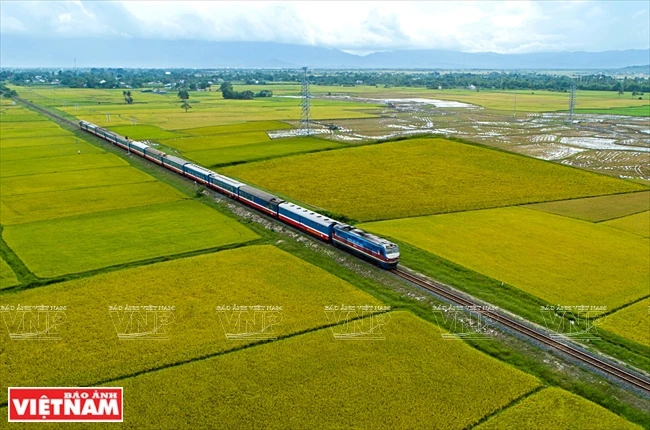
{"type": "Point", "coordinates": [521, 26]}
{"type": "Point", "coordinates": [65, 18]}
{"type": "Point", "coordinates": [10, 24]}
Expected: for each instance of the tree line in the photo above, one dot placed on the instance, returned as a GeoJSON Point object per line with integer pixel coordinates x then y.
{"type": "Point", "coordinates": [209, 80]}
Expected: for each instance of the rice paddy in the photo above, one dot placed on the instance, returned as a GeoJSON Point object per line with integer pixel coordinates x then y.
{"type": "Point", "coordinates": [19, 209]}
{"type": "Point", "coordinates": [7, 276]}
{"type": "Point", "coordinates": [420, 177]}
{"type": "Point", "coordinates": [66, 212]}
{"type": "Point", "coordinates": [637, 224]}
{"type": "Point", "coordinates": [556, 408]}
{"type": "Point", "coordinates": [597, 209]}
{"type": "Point", "coordinates": [89, 350]}
{"type": "Point", "coordinates": [412, 379]}
{"type": "Point", "coordinates": [528, 101]}
{"type": "Point", "coordinates": [66, 163]}
{"type": "Point", "coordinates": [631, 322]}
{"type": "Point", "coordinates": [47, 182]}
{"type": "Point", "coordinates": [73, 213]}
{"type": "Point", "coordinates": [22, 142]}
{"type": "Point", "coordinates": [259, 151]}
{"type": "Point", "coordinates": [92, 241]}
{"type": "Point", "coordinates": [145, 131]}
{"type": "Point", "coordinates": [559, 260]}
{"type": "Point", "coordinates": [47, 151]}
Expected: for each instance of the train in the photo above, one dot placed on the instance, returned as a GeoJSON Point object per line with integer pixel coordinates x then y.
{"type": "Point", "coordinates": [367, 246]}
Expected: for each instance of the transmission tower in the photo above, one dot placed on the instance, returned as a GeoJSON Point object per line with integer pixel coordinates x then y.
{"type": "Point", "coordinates": [572, 100]}
{"type": "Point", "coordinates": [305, 115]}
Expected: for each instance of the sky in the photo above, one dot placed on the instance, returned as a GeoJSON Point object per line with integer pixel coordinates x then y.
{"type": "Point", "coordinates": [355, 27]}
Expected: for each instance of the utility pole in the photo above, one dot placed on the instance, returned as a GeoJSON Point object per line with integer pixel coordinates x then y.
{"type": "Point", "coordinates": [572, 100]}
{"type": "Point", "coordinates": [305, 115]}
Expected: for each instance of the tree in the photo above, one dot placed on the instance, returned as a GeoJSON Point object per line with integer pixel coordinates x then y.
{"type": "Point", "coordinates": [127, 97]}
{"type": "Point", "coordinates": [6, 92]}
{"type": "Point", "coordinates": [186, 105]}
{"type": "Point", "coordinates": [183, 94]}
{"type": "Point", "coordinates": [226, 90]}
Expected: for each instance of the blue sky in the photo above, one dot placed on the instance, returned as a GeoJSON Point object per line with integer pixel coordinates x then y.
{"type": "Point", "coordinates": [358, 27]}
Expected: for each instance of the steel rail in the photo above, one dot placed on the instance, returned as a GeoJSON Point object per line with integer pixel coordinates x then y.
{"type": "Point", "coordinates": [608, 368]}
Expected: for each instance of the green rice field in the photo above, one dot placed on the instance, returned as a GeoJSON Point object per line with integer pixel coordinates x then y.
{"type": "Point", "coordinates": [412, 379]}
{"type": "Point", "coordinates": [90, 351]}
{"type": "Point", "coordinates": [145, 131]}
{"type": "Point", "coordinates": [557, 409]}
{"type": "Point", "coordinates": [95, 233]}
{"type": "Point", "coordinates": [597, 209]}
{"type": "Point", "coordinates": [632, 322]}
{"type": "Point", "coordinates": [92, 241]}
{"type": "Point", "coordinates": [637, 223]}
{"type": "Point", "coordinates": [539, 101]}
{"type": "Point", "coordinates": [46, 151]}
{"type": "Point", "coordinates": [79, 179]}
{"type": "Point", "coordinates": [258, 151]}
{"type": "Point", "coordinates": [67, 163]}
{"type": "Point", "coordinates": [22, 142]}
{"type": "Point", "coordinates": [237, 128]}
{"type": "Point", "coordinates": [7, 276]}
{"type": "Point", "coordinates": [421, 177]}
{"type": "Point", "coordinates": [559, 260]}
{"type": "Point", "coordinates": [19, 209]}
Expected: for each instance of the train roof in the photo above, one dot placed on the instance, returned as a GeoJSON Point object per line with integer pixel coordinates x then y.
{"type": "Point", "coordinates": [155, 151]}
{"type": "Point", "coordinates": [200, 169]}
{"type": "Point", "coordinates": [368, 236]}
{"type": "Point", "coordinates": [260, 194]}
{"type": "Point", "coordinates": [138, 144]}
{"type": "Point", "coordinates": [176, 160]}
{"type": "Point", "coordinates": [306, 213]}
{"type": "Point", "coordinates": [228, 180]}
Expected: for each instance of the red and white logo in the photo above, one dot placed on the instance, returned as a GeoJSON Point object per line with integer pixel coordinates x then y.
{"type": "Point", "coordinates": [65, 404]}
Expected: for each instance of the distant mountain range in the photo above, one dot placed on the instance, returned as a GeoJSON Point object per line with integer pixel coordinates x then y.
{"type": "Point", "coordinates": [18, 51]}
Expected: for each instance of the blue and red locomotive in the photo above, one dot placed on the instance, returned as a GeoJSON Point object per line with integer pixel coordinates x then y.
{"type": "Point", "coordinates": [358, 242]}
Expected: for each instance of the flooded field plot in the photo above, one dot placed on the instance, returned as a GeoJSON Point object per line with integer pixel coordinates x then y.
{"type": "Point", "coordinates": [617, 145]}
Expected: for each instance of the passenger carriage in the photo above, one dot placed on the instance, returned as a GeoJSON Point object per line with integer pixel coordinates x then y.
{"type": "Point", "coordinates": [224, 184]}
{"type": "Point", "coordinates": [175, 163]}
{"type": "Point", "coordinates": [137, 147]}
{"type": "Point", "coordinates": [198, 173]}
{"type": "Point", "coordinates": [265, 202]}
{"type": "Point", "coordinates": [154, 155]}
{"type": "Point", "coordinates": [304, 219]}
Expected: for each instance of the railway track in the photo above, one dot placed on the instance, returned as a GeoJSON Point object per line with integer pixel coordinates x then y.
{"type": "Point", "coordinates": [47, 112]}
{"type": "Point", "coordinates": [637, 381]}
{"type": "Point", "coordinates": [610, 369]}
